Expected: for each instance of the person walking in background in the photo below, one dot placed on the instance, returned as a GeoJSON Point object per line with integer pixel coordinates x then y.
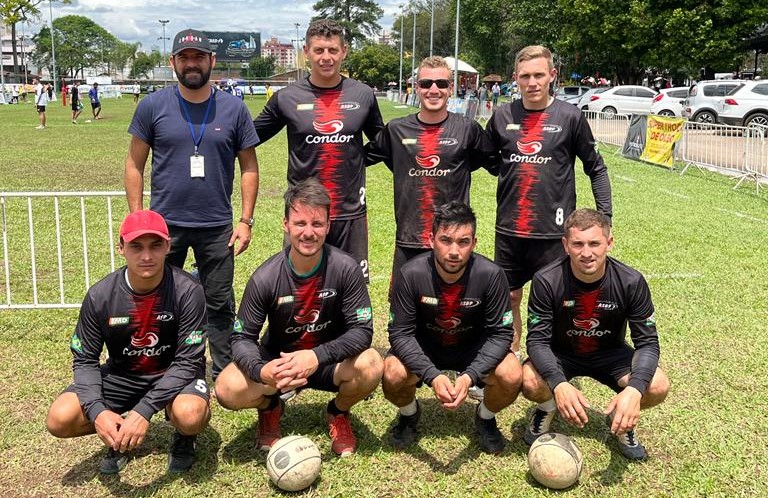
{"type": "Point", "coordinates": [93, 95]}
{"type": "Point", "coordinates": [77, 105]}
{"type": "Point", "coordinates": [41, 101]}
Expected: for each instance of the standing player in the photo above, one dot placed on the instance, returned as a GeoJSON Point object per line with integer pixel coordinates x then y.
{"type": "Point", "coordinates": [93, 95]}
{"type": "Point", "coordinates": [431, 155]}
{"type": "Point", "coordinates": [195, 133]}
{"type": "Point", "coordinates": [326, 115]}
{"type": "Point", "coordinates": [578, 313]}
{"type": "Point", "coordinates": [320, 327]}
{"type": "Point", "coordinates": [77, 106]}
{"type": "Point", "coordinates": [136, 90]}
{"type": "Point", "coordinates": [41, 101]}
{"type": "Point", "coordinates": [150, 316]}
{"type": "Point", "coordinates": [539, 139]}
{"type": "Point", "coordinates": [450, 311]}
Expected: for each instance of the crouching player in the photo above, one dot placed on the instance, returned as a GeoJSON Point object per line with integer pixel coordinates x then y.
{"type": "Point", "coordinates": [578, 313]}
{"type": "Point", "coordinates": [320, 327]}
{"type": "Point", "coordinates": [451, 311]}
{"type": "Point", "coordinates": [150, 316]}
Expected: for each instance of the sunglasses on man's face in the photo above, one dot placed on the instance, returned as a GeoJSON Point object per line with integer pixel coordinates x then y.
{"type": "Point", "coordinates": [426, 84]}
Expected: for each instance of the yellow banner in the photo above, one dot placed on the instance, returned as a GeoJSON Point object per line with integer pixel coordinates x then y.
{"type": "Point", "coordinates": [662, 134]}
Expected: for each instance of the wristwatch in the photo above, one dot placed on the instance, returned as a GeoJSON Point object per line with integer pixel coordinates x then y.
{"type": "Point", "coordinates": [247, 221]}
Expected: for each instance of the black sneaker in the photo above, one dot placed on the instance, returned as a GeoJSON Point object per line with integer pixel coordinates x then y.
{"type": "Point", "coordinates": [182, 453]}
{"type": "Point", "coordinates": [403, 434]}
{"type": "Point", "coordinates": [539, 424]}
{"type": "Point", "coordinates": [490, 438]}
{"type": "Point", "coordinates": [631, 447]}
{"type": "Point", "coordinates": [113, 463]}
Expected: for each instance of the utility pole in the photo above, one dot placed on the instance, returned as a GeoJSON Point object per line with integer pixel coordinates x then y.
{"type": "Point", "coordinates": [53, 47]}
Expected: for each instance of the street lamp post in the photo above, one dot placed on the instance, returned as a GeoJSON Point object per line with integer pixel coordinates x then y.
{"type": "Point", "coordinates": [413, 54]}
{"type": "Point", "coordinates": [400, 81]}
{"type": "Point", "coordinates": [456, 53]}
{"type": "Point", "coordinates": [53, 48]}
{"type": "Point", "coordinates": [164, 22]}
{"type": "Point", "coordinates": [298, 48]}
{"type": "Point", "coordinates": [432, 28]}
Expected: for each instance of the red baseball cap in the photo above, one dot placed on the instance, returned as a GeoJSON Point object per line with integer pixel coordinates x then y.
{"type": "Point", "coordinates": [141, 223]}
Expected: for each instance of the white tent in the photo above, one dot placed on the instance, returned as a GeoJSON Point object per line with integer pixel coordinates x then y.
{"type": "Point", "coordinates": [463, 66]}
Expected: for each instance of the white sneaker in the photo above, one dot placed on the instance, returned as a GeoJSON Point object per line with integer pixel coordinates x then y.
{"type": "Point", "coordinates": [539, 424]}
{"type": "Point", "coordinates": [476, 393]}
{"type": "Point", "coordinates": [39, 127]}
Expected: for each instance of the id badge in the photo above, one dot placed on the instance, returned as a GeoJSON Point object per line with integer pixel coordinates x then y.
{"type": "Point", "coordinates": [197, 166]}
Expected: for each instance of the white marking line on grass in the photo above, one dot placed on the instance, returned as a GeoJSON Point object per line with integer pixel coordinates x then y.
{"type": "Point", "coordinates": [400, 106]}
{"type": "Point", "coordinates": [659, 276]}
{"type": "Point", "coordinates": [674, 194]}
{"type": "Point", "coordinates": [742, 215]}
{"type": "Point", "coordinates": [625, 178]}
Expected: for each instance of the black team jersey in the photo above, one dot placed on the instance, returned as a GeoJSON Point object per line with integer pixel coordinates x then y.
{"type": "Point", "coordinates": [155, 338]}
{"type": "Point", "coordinates": [569, 317]}
{"type": "Point", "coordinates": [325, 137]}
{"type": "Point", "coordinates": [431, 165]}
{"type": "Point", "coordinates": [537, 185]}
{"type": "Point", "coordinates": [328, 312]}
{"type": "Point", "coordinates": [435, 322]}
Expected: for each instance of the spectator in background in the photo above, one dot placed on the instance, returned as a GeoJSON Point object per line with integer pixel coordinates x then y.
{"type": "Point", "coordinates": [496, 91]}
{"type": "Point", "coordinates": [41, 101]}
{"type": "Point", "coordinates": [93, 94]}
{"type": "Point", "coordinates": [77, 105]}
{"type": "Point", "coordinates": [136, 92]}
{"type": "Point", "coordinates": [269, 91]}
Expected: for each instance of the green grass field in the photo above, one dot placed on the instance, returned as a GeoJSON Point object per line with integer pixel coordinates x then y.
{"type": "Point", "coordinates": [700, 245]}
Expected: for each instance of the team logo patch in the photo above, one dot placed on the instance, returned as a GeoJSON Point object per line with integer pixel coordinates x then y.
{"type": "Point", "coordinates": [428, 161]}
{"type": "Point", "coordinates": [448, 324]}
{"type": "Point", "coordinates": [76, 344]}
{"type": "Point", "coordinates": [528, 148]}
{"type": "Point", "coordinates": [349, 106]}
{"type": "Point", "coordinates": [507, 318]}
{"type": "Point", "coordinates": [586, 324]}
{"type": "Point", "coordinates": [569, 304]}
{"type": "Point", "coordinates": [305, 107]}
{"type": "Point", "coordinates": [551, 128]}
{"type": "Point", "coordinates": [238, 326]}
{"type": "Point", "coordinates": [114, 321]}
{"type": "Point", "coordinates": [409, 141]}
{"type": "Point", "coordinates": [284, 300]}
{"type": "Point", "coordinates": [448, 142]}
{"type": "Point", "coordinates": [391, 317]}
{"type": "Point", "coordinates": [194, 337]}
{"type": "Point", "coordinates": [650, 321]}
{"type": "Point", "coordinates": [310, 316]}
{"type": "Point", "coordinates": [364, 314]}
{"type": "Point", "coordinates": [329, 127]}
{"type": "Point", "coordinates": [148, 340]}
{"type": "Point", "coordinates": [533, 318]}
{"type": "Point", "coordinates": [469, 302]}
{"type": "Point", "coordinates": [165, 316]}
{"type": "Point", "coordinates": [513, 127]}
{"type": "Point", "coordinates": [326, 293]}
{"type": "Point", "coordinates": [429, 300]}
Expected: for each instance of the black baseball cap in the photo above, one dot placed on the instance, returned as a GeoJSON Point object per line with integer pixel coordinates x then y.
{"type": "Point", "coordinates": [191, 38]}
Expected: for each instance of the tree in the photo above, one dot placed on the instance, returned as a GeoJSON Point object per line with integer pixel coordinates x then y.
{"type": "Point", "coordinates": [262, 66]}
{"type": "Point", "coordinates": [80, 43]}
{"type": "Point", "coordinates": [443, 35]}
{"type": "Point", "coordinates": [15, 11]}
{"type": "Point", "coordinates": [144, 63]}
{"type": "Point", "coordinates": [358, 17]}
{"type": "Point", "coordinates": [374, 64]}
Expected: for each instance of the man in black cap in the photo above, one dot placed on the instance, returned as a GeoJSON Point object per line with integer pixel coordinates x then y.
{"type": "Point", "coordinates": [195, 132]}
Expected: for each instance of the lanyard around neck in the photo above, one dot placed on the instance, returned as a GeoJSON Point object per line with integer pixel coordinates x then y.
{"type": "Point", "coordinates": [183, 105]}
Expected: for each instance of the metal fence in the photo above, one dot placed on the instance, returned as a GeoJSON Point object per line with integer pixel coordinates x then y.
{"type": "Point", "coordinates": [608, 128]}
{"type": "Point", "coordinates": [55, 241]}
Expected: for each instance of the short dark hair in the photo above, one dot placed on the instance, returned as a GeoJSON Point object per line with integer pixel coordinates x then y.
{"type": "Point", "coordinates": [308, 191]}
{"type": "Point", "coordinates": [585, 218]}
{"type": "Point", "coordinates": [324, 28]}
{"type": "Point", "coordinates": [452, 214]}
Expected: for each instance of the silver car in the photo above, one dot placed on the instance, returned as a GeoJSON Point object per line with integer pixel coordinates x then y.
{"type": "Point", "coordinates": [747, 105]}
{"type": "Point", "coordinates": [704, 98]}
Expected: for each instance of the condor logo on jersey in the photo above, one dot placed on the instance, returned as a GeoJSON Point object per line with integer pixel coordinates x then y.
{"type": "Point", "coordinates": [448, 324]}
{"type": "Point", "coordinates": [586, 324]}
{"type": "Point", "coordinates": [310, 316]}
{"type": "Point", "coordinates": [529, 148]}
{"type": "Point", "coordinates": [586, 328]}
{"type": "Point", "coordinates": [329, 127]}
{"type": "Point", "coordinates": [147, 340]}
{"type": "Point", "coordinates": [428, 161]}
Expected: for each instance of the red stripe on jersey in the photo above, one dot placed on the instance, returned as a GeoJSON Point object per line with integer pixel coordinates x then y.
{"type": "Point", "coordinates": [327, 110]}
{"type": "Point", "coordinates": [307, 307]}
{"type": "Point", "coordinates": [145, 333]}
{"type": "Point", "coordinates": [429, 146]}
{"type": "Point", "coordinates": [449, 315]}
{"type": "Point", "coordinates": [586, 320]}
{"type": "Point", "coordinates": [528, 172]}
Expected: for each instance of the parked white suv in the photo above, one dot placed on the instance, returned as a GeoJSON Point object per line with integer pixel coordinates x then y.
{"type": "Point", "coordinates": [623, 99]}
{"type": "Point", "coordinates": [746, 105]}
{"type": "Point", "coordinates": [703, 99]}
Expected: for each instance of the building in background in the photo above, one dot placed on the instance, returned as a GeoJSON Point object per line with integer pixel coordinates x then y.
{"type": "Point", "coordinates": [284, 53]}
{"type": "Point", "coordinates": [24, 46]}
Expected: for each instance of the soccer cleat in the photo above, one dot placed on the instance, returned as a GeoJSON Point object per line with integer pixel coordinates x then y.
{"type": "Point", "coordinates": [490, 438]}
{"type": "Point", "coordinates": [540, 422]}
{"type": "Point", "coordinates": [476, 393]}
{"type": "Point", "coordinates": [182, 453]}
{"type": "Point", "coordinates": [40, 127]}
{"type": "Point", "coordinates": [631, 447]}
{"type": "Point", "coordinates": [343, 441]}
{"type": "Point", "coordinates": [289, 395]}
{"type": "Point", "coordinates": [113, 463]}
{"type": "Point", "coordinates": [403, 434]}
{"type": "Point", "coordinates": [269, 426]}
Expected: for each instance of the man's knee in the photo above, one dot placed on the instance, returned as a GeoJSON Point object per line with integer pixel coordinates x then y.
{"type": "Point", "coordinates": [369, 365]}
{"type": "Point", "coordinates": [230, 385]}
{"type": "Point", "coordinates": [395, 374]}
{"type": "Point", "coordinates": [189, 413]}
{"type": "Point", "coordinates": [657, 390]}
{"type": "Point", "coordinates": [533, 386]}
{"type": "Point", "coordinates": [508, 374]}
{"type": "Point", "coordinates": [65, 417]}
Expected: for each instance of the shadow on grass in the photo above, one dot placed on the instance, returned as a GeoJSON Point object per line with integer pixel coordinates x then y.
{"type": "Point", "coordinates": [305, 418]}
{"type": "Point", "coordinates": [596, 429]}
{"type": "Point", "coordinates": [157, 442]}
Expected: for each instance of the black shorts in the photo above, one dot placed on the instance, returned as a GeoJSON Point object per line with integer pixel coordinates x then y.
{"type": "Point", "coordinates": [96, 105]}
{"type": "Point", "coordinates": [455, 363]}
{"type": "Point", "coordinates": [122, 393]}
{"type": "Point", "coordinates": [41, 108]}
{"type": "Point", "coordinates": [402, 256]}
{"type": "Point", "coordinates": [76, 106]}
{"type": "Point", "coordinates": [322, 379]}
{"type": "Point", "coordinates": [351, 236]}
{"type": "Point", "coordinates": [606, 367]}
{"type": "Point", "coordinates": [521, 258]}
